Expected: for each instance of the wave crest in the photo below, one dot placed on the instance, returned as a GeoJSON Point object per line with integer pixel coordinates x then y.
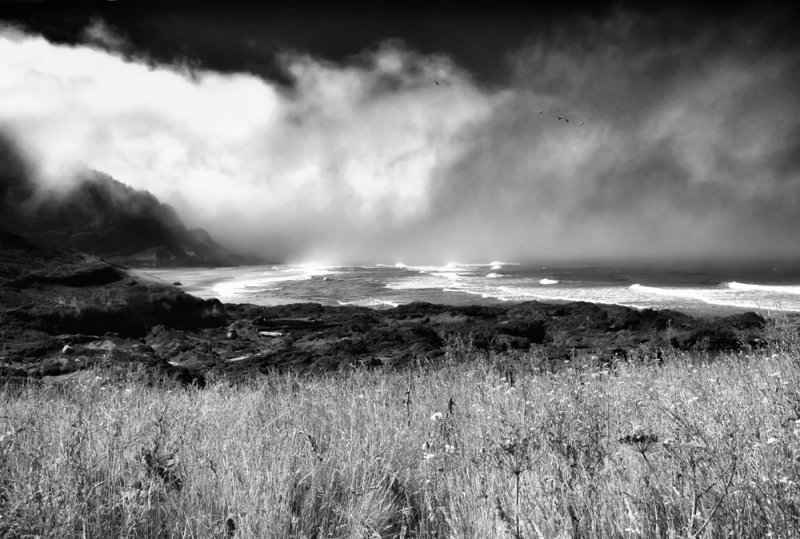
{"type": "Point", "coordinates": [747, 287]}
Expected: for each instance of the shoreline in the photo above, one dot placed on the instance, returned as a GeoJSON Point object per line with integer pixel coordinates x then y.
{"type": "Point", "coordinates": [383, 287]}
{"type": "Point", "coordinates": [64, 312]}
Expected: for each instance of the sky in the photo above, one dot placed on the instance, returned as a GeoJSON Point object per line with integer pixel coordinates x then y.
{"type": "Point", "coordinates": [421, 133]}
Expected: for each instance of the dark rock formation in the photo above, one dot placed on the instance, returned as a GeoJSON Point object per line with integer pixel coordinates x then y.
{"type": "Point", "coordinates": [314, 337]}
{"type": "Point", "coordinates": [56, 304]}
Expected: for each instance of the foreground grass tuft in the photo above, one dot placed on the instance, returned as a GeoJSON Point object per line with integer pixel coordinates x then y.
{"type": "Point", "coordinates": [678, 445]}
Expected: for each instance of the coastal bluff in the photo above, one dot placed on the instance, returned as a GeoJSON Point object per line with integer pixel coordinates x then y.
{"type": "Point", "coordinates": [62, 311]}
{"type": "Point", "coordinates": [93, 213]}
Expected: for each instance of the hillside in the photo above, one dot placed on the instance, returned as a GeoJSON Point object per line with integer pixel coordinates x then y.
{"type": "Point", "coordinates": [102, 216]}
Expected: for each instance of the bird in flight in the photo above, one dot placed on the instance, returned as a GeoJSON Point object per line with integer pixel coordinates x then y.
{"type": "Point", "coordinates": [541, 111]}
{"type": "Point", "coordinates": [581, 123]}
{"type": "Point", "coordinates": [437, 82]}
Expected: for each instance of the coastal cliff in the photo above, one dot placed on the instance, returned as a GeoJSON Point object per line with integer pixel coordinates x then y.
{"type": "Point", "coordinates": [94, 213]}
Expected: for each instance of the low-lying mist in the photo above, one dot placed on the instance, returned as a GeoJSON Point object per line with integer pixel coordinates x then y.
{"type": "Point", "coordinates": [680, 144]}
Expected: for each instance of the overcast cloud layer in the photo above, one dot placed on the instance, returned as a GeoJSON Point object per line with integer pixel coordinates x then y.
{"type": "Point", "coordinates": [690, 145]}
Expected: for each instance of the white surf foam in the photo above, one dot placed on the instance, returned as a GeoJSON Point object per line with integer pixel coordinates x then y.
{"type": "Point", "coordinates": [607, 295]}
{"type": "Point", "coordinates": [670, 292]}
{"type": "Point", "coordinates": [263, 285]}
{"type": "Point", "coordinates": [230, 289]}
{"type": "Point", "coordinates": [371, 302]}
{"type": "Point", "coordinates": [778, 289]}
{"type": "Point", "coordinates": [462, 289]}
{"type": "Point", "coordinates": [265, 281]}
{"type": "Point", "coordinates": [745, 298]}
{"type": "Point", "coordinates": [690, 294]}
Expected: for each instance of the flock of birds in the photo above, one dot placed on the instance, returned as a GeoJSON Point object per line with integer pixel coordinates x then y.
{"type": "Point", "coordinates": [558, 116]}
{"type": "Point", "coordinates": [562, 117]}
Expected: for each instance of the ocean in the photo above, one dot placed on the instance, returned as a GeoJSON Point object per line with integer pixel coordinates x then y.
{"type": "Point", "coordinates": [699, 289]}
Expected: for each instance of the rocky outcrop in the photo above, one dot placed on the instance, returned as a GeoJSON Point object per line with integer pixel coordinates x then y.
{"type": "Point", "coordinates": [311, 337]}
{"type": "Point", "coordinates": [55, 303]}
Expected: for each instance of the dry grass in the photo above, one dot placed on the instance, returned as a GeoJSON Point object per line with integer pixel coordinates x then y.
{"type": "Point", "coordinates": [685, 448]}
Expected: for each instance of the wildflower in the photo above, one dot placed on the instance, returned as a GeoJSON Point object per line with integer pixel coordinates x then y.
{"type": "Point", "coordinates": [449, 448]}
{"type": "Point", "coordinates": [772, 441]}
{"type": "Point", "coordinates": [429, 456]}
{"type": "Point", "coordinates": [640, 442]}
{"type": "Point", "coordinates": [437, 416]}
{"type": "Point", "coordinates": [639, 438]}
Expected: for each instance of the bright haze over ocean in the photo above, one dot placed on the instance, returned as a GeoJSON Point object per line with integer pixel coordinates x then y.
{"type": "Point", "coordinates": [657, 141]}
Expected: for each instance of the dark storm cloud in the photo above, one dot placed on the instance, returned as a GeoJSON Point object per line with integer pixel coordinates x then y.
{"type": "Point", "coordinates": [231, 37]}
{"type": "Point", "coordinates": [688, 148]}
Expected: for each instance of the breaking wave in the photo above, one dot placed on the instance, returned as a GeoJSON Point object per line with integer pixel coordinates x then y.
{"type": "Point", "coordinates": [371, 302]}
{"type": "Point", "coordinates": [255, 283]}
{"type": "Point", "coordinates": [779, 289]}
{"type": "Point", "coordinates": [468, 283]}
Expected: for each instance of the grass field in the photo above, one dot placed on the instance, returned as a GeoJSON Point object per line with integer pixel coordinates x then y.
{"type": "Point", "coordinates": [477, 446]}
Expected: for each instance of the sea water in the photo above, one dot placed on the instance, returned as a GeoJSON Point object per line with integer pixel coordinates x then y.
{"type": "Point", "coordinates": [709, 289]}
